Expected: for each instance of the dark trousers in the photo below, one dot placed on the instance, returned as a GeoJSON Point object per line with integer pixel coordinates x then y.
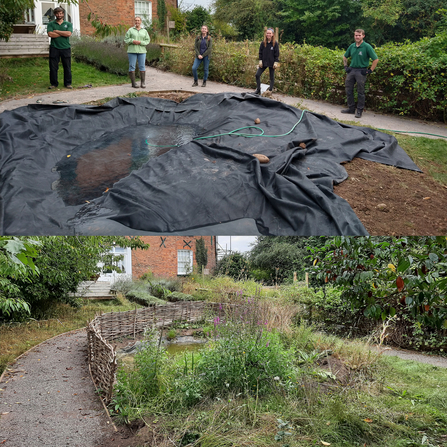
{"type": "Point", "coordinates": [259, 73]}
{"type": "Point", "coordinates": [352, 78]}
{"type": "Point", "coordinates": [65, 56]}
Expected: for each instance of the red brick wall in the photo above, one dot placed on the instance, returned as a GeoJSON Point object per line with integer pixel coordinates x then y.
{"type": "Point", "coordinates": [112, 12]}
{"type": "Point", "coordinates": [161, 258]}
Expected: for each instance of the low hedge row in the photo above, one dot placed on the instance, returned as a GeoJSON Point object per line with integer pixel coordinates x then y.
{"type": "Point", "coordinates": [109, 55]}
{"type": "Point", "coordinates": [410, 79]}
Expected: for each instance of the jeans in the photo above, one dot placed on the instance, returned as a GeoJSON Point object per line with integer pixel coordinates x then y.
{"type": "Point", "coordinates": [65, 56]}
{"type": "Point", "coordinates": [133, 61]}
{"type": "Point", "coordinates": [206, 65]}
{"type": "Point", "coordinates": [272, 76]}
{"type": "Point", "coordinates": [355, 76]}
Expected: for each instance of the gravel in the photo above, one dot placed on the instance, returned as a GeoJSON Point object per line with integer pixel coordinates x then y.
{"type": "Point", "coordinates": [47, 397]}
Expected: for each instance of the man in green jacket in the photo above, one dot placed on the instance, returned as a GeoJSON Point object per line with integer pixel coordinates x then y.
{"type": "Point", "coordinates": [360, 53]}
{"type": "Point", "coordinates": [60, 31]}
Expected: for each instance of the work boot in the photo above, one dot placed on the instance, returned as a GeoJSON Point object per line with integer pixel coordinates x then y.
{"type": "Point", "coordinates": [195, 84]}
{"type": "Point", "coordinates": [132, 79]}
{"type": "Point", "coordinates": [358, 114]}
{"type": "Point", "coordinates": [143, 79]}
{"type": "Point", "coordinates": [258, 91]}
{"type": "Point", "coordinates": [349, 110]}
{"type": "Point", "coordinates": [204, 84]}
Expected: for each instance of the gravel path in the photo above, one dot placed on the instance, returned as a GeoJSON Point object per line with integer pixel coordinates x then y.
{"type": "Point", "coordinates": [47, 397]}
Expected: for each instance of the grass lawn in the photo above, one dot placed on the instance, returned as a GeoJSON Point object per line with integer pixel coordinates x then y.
{"type": "Point", "coordinates": [28, 76]}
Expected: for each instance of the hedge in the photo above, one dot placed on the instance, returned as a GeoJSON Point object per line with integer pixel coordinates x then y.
{"type": "Point", "coordinates": [410, 79]}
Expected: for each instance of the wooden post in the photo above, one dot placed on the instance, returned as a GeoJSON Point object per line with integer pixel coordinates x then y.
{"type": "Point", "coordinates": [307, 279]}
{"type": "Point", "coordinates": [167, 27]}
{"type": "Point", "coordinates": [294, 276]}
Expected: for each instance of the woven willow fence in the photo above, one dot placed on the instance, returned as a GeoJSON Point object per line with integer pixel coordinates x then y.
{"type": "Point", "coordinates": [106, 327]}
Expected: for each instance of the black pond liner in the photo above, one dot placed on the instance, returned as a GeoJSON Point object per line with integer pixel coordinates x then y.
{"type": "Point", "coordinates": [113, 170]}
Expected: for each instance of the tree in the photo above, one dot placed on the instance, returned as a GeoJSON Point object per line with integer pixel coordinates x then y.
{"type": "Point", "coordinates": [386, 276]}
{"type": "Point", "coordinates": [248, 16]}
{"type": "Point", "coordinates": [274, 259]}
{"type": "Point", "coordinates": [60, 263]}
{"type": "Point", "coordinates": [196, 18]}
{"type": "Point", "coordinates": [328, 23]}
{"type": "Point", "coordinates": [234, 265]}
{"type": "Point", "coordinates": [383, 13]}
{"type": "Point", "coordinates": [162, 13]}
{"type": "Point", "coordinates": [16, 263]}
{"type": "Point", "coordinates": [201, 254]}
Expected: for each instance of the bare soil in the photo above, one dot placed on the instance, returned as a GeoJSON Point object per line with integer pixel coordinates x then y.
{"type": "Point", "coordinates": [387, 200]}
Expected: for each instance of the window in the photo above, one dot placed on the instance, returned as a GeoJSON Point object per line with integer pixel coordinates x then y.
{"type": "Point", "coordinates": [184, 262]}
{"type": "Point", "coordinates": [29, 16]}
{"type": "Point", "coordinates": [143, 9]}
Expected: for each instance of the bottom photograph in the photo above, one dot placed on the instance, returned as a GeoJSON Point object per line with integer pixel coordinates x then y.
{"type": "Point", "coordinates": [222, 341]}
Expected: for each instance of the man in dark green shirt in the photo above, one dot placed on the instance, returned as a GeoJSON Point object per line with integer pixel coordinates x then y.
{"type": "Point", "coordinates": [60, 31]}
{"type": "Point", "coordinates": [360, 53]}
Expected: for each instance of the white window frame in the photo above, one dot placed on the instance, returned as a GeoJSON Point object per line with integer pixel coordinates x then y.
{"type": "Point", "coordinates": [143, 9]}
{"type": "Point", "coordinates": [184, 262]}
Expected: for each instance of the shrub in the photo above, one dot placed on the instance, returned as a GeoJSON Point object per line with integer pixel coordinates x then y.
{"type": "Point", "coordinates": [411, 78]}
{"type": "Point", "coordinates": [179, 296]}
{"type": "Point", "coordinates": [142, 297]}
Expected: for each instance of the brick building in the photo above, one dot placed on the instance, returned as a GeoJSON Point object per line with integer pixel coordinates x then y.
{"type": "Point", "coordinates": [167, 256]}
{"type": "Point", "coordinates": [118, 12]}
{"type": "Point", "coordinates": [112, 12]}
{"type": "Point", "coordinates": [171, 255]}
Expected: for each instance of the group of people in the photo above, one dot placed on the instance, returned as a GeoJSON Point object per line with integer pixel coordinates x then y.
{"type": "Point", "coordinates": [137, 38]}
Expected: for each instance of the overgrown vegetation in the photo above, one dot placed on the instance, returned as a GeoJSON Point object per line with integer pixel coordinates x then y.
{"type": "Point", "coordinates": [280, 386]}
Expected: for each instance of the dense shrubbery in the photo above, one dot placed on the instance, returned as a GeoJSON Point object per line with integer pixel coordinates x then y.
{"type": "Point", "coordinates": [410, 78]}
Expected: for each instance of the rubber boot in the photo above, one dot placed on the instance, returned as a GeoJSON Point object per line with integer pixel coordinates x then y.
{"type": "Point", "coordinates": [143, 79]}
{"type": "Point", "coordinates": [132, 79]}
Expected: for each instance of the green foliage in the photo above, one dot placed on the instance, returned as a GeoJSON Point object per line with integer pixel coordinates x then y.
{"type": "Point", "coordinates": [179, 296]}
{"type": "Point", "coordinates": [248, 16]}
{"type": "Point", "coordinates": [389, 276]}
{"type": "Point", "coordinates": [245, 357]}
{"type": "Point", "coordinates": [197, 17]}
{"type": "Point", "coordinates": [16, 262]}
{"type": "Point", "coordinates": [201, 254]}
{"type": "Point", "coordinates": [409, 80]}
{"type": "Point", "coordinates": [320, 22]}
{"type": "Point", "coordinates": [279, 257]}
{"type": "Point", "coordinates": [59, 264]}
{"type": "Point", "coordinates": [162, 12]}
{"type": "Point", "coordinates": [8, 17]}
{"type": "Point", "coordinates": [235, 265]}
{"type": "Point", "coordinates": [143, 297]}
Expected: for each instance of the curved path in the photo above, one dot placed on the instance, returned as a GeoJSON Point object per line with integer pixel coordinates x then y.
{"type": "Point", "coordinates": [157, 80]}
{"type": "Point", "coordinates": [47, 397]}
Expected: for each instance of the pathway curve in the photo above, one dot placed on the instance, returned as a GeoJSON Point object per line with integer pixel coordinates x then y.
{"type": "Point", "coordinates": [47, 397]}
{"type": "Point", "coordinates": [157, 80]}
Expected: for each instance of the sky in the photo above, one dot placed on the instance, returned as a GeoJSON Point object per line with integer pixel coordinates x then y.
{"type": "Point", "coordinates": [237, 243]}
{"type": "Point", "coordinates": [190, 4]}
